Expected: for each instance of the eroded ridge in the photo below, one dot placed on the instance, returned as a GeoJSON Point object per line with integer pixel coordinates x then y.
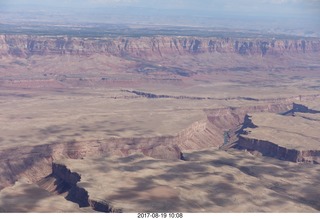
{"type": "Point", "coordinates": [35, 162]}
{"type": "Point", "coordinates": [39, 164]}
{"type": "Point", "coordinates": [28, 45]}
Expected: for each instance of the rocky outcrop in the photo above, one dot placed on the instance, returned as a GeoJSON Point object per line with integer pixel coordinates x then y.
{"type": "Point", "coordinates": [27, 45]}
{"type": "Point", "coordinates": [229, 119]}
{"type": "Point", "coordinates": [270, 149]}
{"type": "Point", "coordinates": [34, 162]}
{"type": "Point", "coordinates": [210, 132]}
{"type": "Point", "coordinates": [75, 193]}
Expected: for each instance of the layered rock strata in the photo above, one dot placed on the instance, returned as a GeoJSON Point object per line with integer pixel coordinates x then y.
{"type": "Point", "coordinates": [27, 45]}
{"type": "Point", "coordinates": [35, 162]}
{"type": "Point", "coordinates": [270, 149]}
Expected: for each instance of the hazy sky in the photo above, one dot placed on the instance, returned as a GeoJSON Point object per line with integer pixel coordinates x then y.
{"type": "Point", "coordinates": [246, 10]}
{"type": "Point", "coordinates": [263, 7]}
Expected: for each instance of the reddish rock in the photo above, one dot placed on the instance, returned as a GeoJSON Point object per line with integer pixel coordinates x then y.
{"type": "Point", "coordinates": [27, 45]}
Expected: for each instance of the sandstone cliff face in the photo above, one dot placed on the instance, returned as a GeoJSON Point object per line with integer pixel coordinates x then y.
{"type": "Point", "coordinates": [270, 149]}
{"type": "Point", "coordinates": [26, 45]}
{"type": "Point", "coordinates": [229, 119]}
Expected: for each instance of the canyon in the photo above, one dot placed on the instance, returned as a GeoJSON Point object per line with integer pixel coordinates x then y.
{"type": "Point", "coordinates": [125, 124]}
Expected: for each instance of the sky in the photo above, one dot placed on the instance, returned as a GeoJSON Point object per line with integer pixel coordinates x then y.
{"type": "Point", "coordinates": [246, 10]}
{"type": "Point", "coordinates": [263, 7]}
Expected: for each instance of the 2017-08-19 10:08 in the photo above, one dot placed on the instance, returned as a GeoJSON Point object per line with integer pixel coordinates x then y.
{"type": "Point", "coordinates": [160, 215]}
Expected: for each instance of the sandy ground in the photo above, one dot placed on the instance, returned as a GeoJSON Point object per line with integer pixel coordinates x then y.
{"type": "Point", "coordinates": [209, 181]}
{"type": "Point", "coordinates": [35, 117]}
{"type": "Point", "coordinates": [24, 197]}
{"type": "Point", "coordinates": [299, 132]}
{"type": "Point", "coordinates": [45, 99]}
{"type": "Point", "coordinates": [59, 117]}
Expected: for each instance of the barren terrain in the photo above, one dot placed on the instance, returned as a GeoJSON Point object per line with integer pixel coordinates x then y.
{"type": "Point", "coordinates": [160, 123]}
{"type": "Point", "coordinates": [298, 132]}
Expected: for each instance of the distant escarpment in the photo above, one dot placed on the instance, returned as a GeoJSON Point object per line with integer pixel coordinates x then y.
{"type": "Point", "coordinates": [27, 45]}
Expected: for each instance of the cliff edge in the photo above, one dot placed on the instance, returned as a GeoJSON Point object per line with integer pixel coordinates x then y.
{"type": "Point", "coordinates": [28, 45]}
